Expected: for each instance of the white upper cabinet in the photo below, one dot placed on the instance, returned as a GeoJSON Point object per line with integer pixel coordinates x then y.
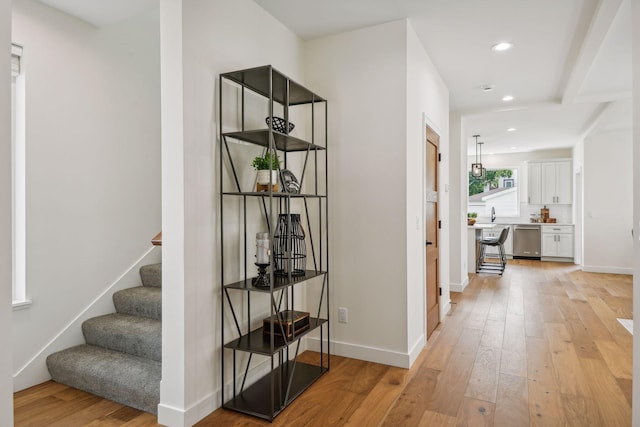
{"type": "Point", "coordinates": [535, 194]}
{"type": "Point", "coordinates": [550, 182]}
{"type": "Point", "coordinates": [564, 182]}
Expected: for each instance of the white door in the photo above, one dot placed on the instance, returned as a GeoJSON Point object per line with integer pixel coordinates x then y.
{"type": "Point", "coordinates": [431, 233]}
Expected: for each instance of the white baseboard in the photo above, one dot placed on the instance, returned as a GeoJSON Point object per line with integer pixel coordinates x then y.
{"type": "Point", "coordinates": [176, 417]}
{"type": "Point", "coordinates": [170, 416]}
{"type": "Point", "coordinates": [35, 370]}
{"type": "Point", "coordinates": [370, 354]}
{"type": "Point", "coordinates": [611, 270]}
{"type": "Point", "coordinates": [416, 350]}
{"type": "Point", "coordinates": [459, 287]}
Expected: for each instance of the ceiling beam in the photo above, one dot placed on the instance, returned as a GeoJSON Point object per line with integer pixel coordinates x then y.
{"type": "Point", "coordinates": [604, 97]}
{"type": "Point", "coordinates": [506, 108]}
{"type": "Point", "coordinates": [609, 118]}
{"type": "Point", "coordinates": [596, 120]}
{"type": "Point", "coordinates": [599, 27]}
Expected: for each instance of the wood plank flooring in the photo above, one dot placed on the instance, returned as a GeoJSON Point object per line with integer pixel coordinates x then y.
{"type": "Point", "coordinates": [539, 346]}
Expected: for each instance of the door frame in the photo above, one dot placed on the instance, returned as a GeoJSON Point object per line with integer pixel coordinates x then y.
{"type": "Point", "coordinates": [578, 218]}
{"type": "Point", "coordinates": [444, 300]}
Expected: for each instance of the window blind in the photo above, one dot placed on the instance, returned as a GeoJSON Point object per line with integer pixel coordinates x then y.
{"type": "Point", "coordinates": [16, 53]}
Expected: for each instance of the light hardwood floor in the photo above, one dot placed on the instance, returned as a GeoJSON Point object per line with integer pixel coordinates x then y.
{"type": "Point", "coordinates": [539, 346]}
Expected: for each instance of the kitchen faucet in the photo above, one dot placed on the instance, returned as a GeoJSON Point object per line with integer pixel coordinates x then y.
{"type": "Point", "coordinates": [493, 214]}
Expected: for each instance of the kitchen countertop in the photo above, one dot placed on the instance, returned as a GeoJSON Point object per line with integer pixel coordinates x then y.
{"type": "Point", "coordinates": [483, 224]}
{"type": "Point", "coordinates": [478, 226]}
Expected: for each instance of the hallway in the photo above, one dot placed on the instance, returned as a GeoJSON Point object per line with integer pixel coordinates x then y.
{"type": "Point", "coordinates": [538, 346]}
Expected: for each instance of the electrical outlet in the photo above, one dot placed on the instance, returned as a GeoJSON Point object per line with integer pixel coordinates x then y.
{"type": "Point", "coordinates": [343, 315]}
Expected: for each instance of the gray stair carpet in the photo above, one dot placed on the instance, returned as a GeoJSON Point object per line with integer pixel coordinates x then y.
{"type": "Point", "coordinates": [135, 335]}
{"type": "Point", "coordinates": [151, 275]}
{"type": "Point", "coordinates": [122, 358]}
{"type": "Point", "coordinates": [130, 380]}
{"type": "Point", "coordinates": [144, 301]}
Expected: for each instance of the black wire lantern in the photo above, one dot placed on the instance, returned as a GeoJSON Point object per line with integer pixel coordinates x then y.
{"type": "Point", "coordinates": [477, 170]}
{"type": "Point", "coordinates": [289, 247]}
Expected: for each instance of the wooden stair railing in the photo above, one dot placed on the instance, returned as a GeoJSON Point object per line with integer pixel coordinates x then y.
{"type": "Point", "coordinates": [157, 241]}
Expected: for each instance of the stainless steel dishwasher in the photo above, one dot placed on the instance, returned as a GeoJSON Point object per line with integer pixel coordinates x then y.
{"type": "Point", "coordinates": [526, 241]}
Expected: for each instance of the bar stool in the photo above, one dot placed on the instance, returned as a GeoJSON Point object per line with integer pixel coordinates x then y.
{"type": "Point", "coordinates": [483, 266]}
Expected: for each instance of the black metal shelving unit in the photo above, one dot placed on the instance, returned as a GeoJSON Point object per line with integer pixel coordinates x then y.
{"type": "Point", "coordinates": [286, 377]}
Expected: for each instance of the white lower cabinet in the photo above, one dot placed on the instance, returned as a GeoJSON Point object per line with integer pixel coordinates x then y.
{"type": "Point", "coordinates": [557, 241]}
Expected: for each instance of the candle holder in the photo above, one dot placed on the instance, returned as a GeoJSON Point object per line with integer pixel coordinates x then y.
{"type": "Point", "coordinates": [262, 281]}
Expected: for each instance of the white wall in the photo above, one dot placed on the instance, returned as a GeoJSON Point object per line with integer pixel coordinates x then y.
{"type": "Point", "coordinates": [367, 185]}
{"type": "Point", "coordinates": [578, 201]}
{"type": "Point", "coordinates": [93, 162]}
{"type": "Point", "coordinates": [608, 203]}
{"type": "Point", "coordinates": [6, 383]}
{"type": "Point", "coordinates": [427, 100]}
{"type": "Point", "coordinates": [636, 205]}
{"type": "Point", "coordinates": [173, 384]}
{"type": "Point", "coordinates": [459, 185]}
{"type": "Point", "coordinates": [376, 104]}
{"type": "Point", "coordinates": [200, 41]}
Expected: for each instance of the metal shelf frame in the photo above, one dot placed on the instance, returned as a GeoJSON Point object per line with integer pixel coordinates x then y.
{"type": "Point", "coordinates": [287, 378]}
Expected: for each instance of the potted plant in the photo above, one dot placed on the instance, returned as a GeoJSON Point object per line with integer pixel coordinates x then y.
{"type": "Point", "coordinates": [471, 218]}
{"type": "Point", "coordinates": [267, 166]}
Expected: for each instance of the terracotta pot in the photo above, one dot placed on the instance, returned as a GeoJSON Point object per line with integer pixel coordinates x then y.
{"type": "Point", "coordinates": [471, 221]}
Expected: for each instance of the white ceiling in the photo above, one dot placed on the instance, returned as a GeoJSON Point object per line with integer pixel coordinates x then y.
{"type": "Point", "coordinates": [569, 69]}
{"type": "Point", "coordinates": [103, 12]}
{"type": "Point", "coordinates": [570, 65]}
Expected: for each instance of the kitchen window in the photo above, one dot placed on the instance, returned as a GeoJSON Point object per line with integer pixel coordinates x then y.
{"type": "Point", "coordinates": [497, 189]}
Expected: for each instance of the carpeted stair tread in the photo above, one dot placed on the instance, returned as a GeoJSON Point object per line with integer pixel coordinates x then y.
{"type": "Point", "coordinates": [122, 358]}
{"type": "Point", "coordinates": [121, 377]}
{"type": "Point", "coordinates": [151, 275]}
{"type": "Point", "coordinates": [139, 336]}
{"type": "Point", "coordinates": [145, 301]}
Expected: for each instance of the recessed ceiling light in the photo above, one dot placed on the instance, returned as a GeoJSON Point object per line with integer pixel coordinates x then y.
{"type": "Point", "coordinates": [501, 47]}
{"type": "Point", "coordinates": [513, 148]}
{"type": "Point", "coordinates": [507, 98]}
{"type": "Point", "coordinates": [487, 87]}
{"type": "Point", "coordinates": [512, 130]}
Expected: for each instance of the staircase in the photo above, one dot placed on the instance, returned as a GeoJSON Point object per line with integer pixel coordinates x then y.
{"type": "Point", "coordinates": [122, 357]}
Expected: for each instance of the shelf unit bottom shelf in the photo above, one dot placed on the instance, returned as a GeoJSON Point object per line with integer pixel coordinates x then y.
{"type": "Point", "coordinates": [254, 400]}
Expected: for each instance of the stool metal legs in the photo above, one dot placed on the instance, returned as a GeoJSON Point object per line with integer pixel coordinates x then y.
{"type": "Point", "coordinates": [483, 266]}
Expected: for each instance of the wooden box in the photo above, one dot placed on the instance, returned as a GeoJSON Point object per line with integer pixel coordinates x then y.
{"type": "Point", "coordinates": [290, 319]}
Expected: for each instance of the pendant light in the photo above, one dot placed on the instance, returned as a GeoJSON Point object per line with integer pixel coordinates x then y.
{"type": "Point", "coordinates": [476, 168]}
